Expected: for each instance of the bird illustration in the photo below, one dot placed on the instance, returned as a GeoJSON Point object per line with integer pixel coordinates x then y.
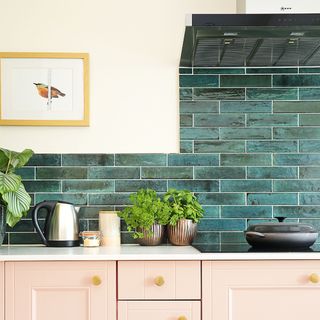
{"type": "Point", "coordinates": [43, 91]}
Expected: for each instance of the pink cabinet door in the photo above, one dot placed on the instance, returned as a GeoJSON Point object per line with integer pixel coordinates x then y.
{"type": "Point", "coordinates": [159, 310]}
{"type": "Point", "coordinates": [264, 290]}
{"type": "Point", "coordinates": [1, 291]}
{"type": "Point", "coordinates": [60, 290]}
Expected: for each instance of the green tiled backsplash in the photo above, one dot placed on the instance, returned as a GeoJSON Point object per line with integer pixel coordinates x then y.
{"type": "Point", "coordinates": [250, 150]}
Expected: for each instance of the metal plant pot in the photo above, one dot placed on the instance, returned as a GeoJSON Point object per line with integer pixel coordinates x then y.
{"type": "Point", "coordinates": [2, 223]}
{"type": "Point", "coordinates": [155, 239]}
{"type": "Point", "coordinates": [183, 233]}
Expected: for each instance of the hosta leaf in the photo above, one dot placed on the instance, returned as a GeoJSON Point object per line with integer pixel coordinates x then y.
{"type": "Point", "coordinates": [9, 182]}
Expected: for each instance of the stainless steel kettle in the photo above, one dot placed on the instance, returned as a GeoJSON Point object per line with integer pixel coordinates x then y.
{"type": "Point", "coordinates": [61, 227]}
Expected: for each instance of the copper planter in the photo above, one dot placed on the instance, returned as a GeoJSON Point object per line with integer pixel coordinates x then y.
{"type": "Point", "coordinates": [183, 233]}
{"type": "Point", "coordinates": [155, 239]}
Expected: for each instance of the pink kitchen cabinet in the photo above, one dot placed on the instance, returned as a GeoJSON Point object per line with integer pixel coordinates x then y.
{"type": "Point", "coordinates": [1, 291]}
{"type": "Point", "coordinates": [264, 290]}
{"type": "Point", "coordinates": [60, 290]}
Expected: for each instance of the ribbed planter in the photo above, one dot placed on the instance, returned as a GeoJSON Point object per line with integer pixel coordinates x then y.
{"type": "Point", "coordinates": [183, 233]}
{"type": "Point", "coordinates": [152, 240]}
{"type": "Point", "coordinates": [2, 223]}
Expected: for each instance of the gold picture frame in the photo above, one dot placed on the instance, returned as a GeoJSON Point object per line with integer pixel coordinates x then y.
{"type": "Point", "coordinates": [44, 89]}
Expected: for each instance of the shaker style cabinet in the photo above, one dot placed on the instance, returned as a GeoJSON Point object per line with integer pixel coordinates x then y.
{"type": "Point", "coordinates": [69, 290]}
{"type": "Point", "coordinates": [264, 290]}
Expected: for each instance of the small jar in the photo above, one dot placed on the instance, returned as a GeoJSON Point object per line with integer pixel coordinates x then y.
{"type": "Point", "coordinates": [90, 238]}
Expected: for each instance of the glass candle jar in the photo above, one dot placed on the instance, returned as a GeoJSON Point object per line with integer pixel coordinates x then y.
{"type": "Point", "coordinates": [109, 225]}
{"type": "Point", "coordinates": [90, 238]}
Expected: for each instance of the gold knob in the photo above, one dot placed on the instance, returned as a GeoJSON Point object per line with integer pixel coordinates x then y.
{"type": "Point", "coordinates": [96, 280]}
{"type": "Point", "coordinates": [314, 278]}
{"type": "Point", "coordinates": [159, 281]}
{"type": "Point", "coordinates": [182, 318]}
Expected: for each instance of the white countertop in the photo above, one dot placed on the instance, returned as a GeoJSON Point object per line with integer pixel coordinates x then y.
{"type": "Point", "coordinates": [136, 252]}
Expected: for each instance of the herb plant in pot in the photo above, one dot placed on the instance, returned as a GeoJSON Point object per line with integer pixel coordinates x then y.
{"type": "Point", "coordinates": [147, 217]}
{"type": "Point", "coordinates": [185, 212]}
{"type": "Point", "coordinates": [14, 200]}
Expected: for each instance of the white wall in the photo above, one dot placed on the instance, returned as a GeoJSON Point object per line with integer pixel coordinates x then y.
{"type": "Point", "coordinates": [134, 48]}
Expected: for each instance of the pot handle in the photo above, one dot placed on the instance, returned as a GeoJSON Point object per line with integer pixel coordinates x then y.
{"type": "Point", "coordinates": [253, 234]}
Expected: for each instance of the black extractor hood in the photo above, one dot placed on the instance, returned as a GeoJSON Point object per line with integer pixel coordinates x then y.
{"type": "Point", "coordinates": [251, 40]}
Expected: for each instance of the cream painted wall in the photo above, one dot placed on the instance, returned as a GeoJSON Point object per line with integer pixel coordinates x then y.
{"type": "Point", "coordinates": [134, 49]}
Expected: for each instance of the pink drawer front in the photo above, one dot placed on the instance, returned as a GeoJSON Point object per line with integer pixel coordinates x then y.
{"type": "Point", "coordinates": [145, 280]}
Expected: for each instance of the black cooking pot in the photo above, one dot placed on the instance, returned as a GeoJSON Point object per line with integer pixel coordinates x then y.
{"type": "Point", "coordinates": [281, 235]}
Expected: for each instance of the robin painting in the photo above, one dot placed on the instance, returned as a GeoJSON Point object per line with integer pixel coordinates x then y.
{"type": "Point", "coordinates": [43, 91]}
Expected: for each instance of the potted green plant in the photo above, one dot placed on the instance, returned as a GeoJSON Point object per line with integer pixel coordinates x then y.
{"type": "Point", "coordinates": [185, 212]}
{"type": "Point", "coordinates": [14, 200]}
{"type": "Point", "coordinates": [146, 217]}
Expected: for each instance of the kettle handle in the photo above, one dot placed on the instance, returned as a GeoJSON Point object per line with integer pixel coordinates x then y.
{"type": "Point", "coordinates": [48, 205]}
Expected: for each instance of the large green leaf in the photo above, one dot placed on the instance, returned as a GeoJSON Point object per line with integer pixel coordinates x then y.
{"type": "Point", "coordinates": [9, 182]}
{"type": "Point", "coordinates": [16, 159]}
{"type": "Point", "coordinates": [3, 161]}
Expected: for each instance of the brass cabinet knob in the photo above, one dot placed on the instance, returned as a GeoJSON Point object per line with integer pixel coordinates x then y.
{"type": "Point", "coordinates": [96, 280]}
{"type": "Point", "coordinates": [159, 281]}
{"type": "Point", "coordinates": [314, 278]}
{"type": "Point", "coordinates": [182, 318]}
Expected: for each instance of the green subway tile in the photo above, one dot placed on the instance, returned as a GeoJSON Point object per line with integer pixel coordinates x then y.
{"type": "Point", "coordinates": [45, 160]}
{"type": "Point", "coordinates": [296, 185]}
{"type": "Point", "coordinates": [309, 198]}
{"type": "Point", "coordinates": [297, 159]}
{"type": "Point", "coordinates": [211, 211]}
{"type": "Point", "coordinates": [309, 94]}
{"type": "Point", "coordinates": [246, 185]}
{"type": "Point", "coordinates": [272, 120]}
{"type": "Point", "coordinates": [309, 172]}
{"type": "Point", "coordinates": [186, 146]}
{"type": "Point", "coordinates": [219, 146]}
{"type": "Point", "coordinates": [113, 173]}
{"type": "Point", "coordinates": [186, 120]}
{"type": "Point", "coordinates": [233, 237]}
{"type": "Point", "coordinates": [204, 237]}
{"type": "Point", "coordinates": [221, 198]}
{"type": "Point", "coordinates": [193, 160]}
{"type": "Point", "coordinates": [245, 106]}
{"type": "Point", "coordinates": [195, 185]}
{"type": "Point", "coordinates": [93, 212]}
{"type": "Point", "coordinates": [167, 173]}
{"type": "Point", "coordinates": [220, 173]}
{"type": "Point", "coordinates": [296, 80]}
{"type": "Point", "coordinates": [271, 70]}
{"type": "Point", "coordinates": [246, 160]}
{"type": "Point", "coordinates": [309, 70]}
{"type": "Point", "coordinates": [140, 159]}
{"type": "Point", "coordinates": [245, 133]}
{"type": "Point", "coordinates": [309, 146]}
{"type": "Point", "coordinates": [272, 94]}
{"type": "Point", "coordinates": [310, 120]}
{"type": "Point", "coordinates": [199, 81]}
{"type": "Point", "coordinates": [245, 81]}
{"type": "Point", "coordinates": [218, 70]}
{"type": "Point", "coordinates": [109, 199]}
{"type": "Point", "coordinates": [26, 173]}
{"type": "Point", "coordinates": [199, 106]}
{"type": "Point", "coordinates": [87, 159]}
{"type": "Point", "coordinates": [218, 94]}
{"type": "Point", "coordinates": [296, 107]}
{"type": "Point", "coordinates": [199, 133]}
{"type": "Point", "coordinates": [135, 185]}
{"type": "Point", "coordinates": [61, 173]}
{"type": "Point", "coordinates": [127, 238]}
{"type": "Point", "coordinates": [259, 221]}
{"type": "Point", "coordinates": [314, 222]}
{"type": "Point", "coordinates": [22, 226]}
{"type": "Point", "coordinates": [76, 198]}
{"type": "Point", "coordinates": [185, 70]}
{"type": "Point", "coordinates": [246, 212]}
{"type": "Point", "coordinates": [25, 238]}
{"type": "Point", "coordinates": [93, 186]}
{"type": "Point", "coordinates": [272, 173]}
{"type": "Point", "coordinates": [224, 120]}
{"type": "Point", "coordinates": [296, 211]}
{"type": "Point", "coordinates": [185, 94]}
{"type": "Point", "coordinates": [272, 146]}
{"type": "Point", "coordinates": [296, 133]}
{"type": "Point", "coordinates": [42, 186]}
{"type": "Point", "coordinates": [222, 225]}
{"type": "Point", "coordinates": [259, 199]}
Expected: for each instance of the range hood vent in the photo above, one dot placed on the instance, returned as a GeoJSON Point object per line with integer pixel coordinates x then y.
{"type": "Point", "coordinates": [252, 40]}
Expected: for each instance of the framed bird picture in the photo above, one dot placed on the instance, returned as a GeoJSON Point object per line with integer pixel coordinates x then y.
{"type": "Point", "coordinates": [44, 89]}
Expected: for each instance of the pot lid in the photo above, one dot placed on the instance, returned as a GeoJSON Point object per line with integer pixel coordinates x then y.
{"type": "Point", "coordinates": [280, 227]}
